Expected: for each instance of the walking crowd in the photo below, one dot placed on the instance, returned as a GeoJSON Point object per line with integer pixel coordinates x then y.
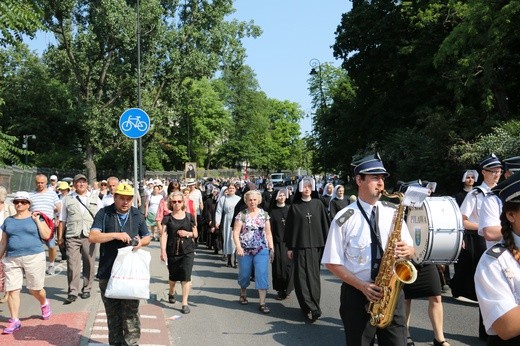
{"type": "Point", "coordinates": [288, 234]}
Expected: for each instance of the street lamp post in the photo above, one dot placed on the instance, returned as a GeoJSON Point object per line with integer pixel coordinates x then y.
{"type": "Point", "coordinates": [25, 145]}
{"type": "Point", "coordinates": [316, 70]}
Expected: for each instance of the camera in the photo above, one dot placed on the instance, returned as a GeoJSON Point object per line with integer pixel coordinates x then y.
{"type": "Point", "coordinates": [134, 242]}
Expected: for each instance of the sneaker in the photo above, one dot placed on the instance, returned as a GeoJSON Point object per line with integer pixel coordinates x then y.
{"type": "Point", "coordinates": [46, 310]}
{"type": "Point", "coordinates": [50, 270]}
{"type": "Point", "coordinates": [13, 326]}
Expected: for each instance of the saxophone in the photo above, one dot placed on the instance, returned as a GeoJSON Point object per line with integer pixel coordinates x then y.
{"type": "Point", "coordinates": [393, 272]}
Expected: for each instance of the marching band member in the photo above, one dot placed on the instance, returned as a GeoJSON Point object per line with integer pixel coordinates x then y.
{"type": "Point", "coordinates": [489, 222]}
{"type": "Point", "coordinates": [357, 237]}
{"type": "Point", "coordinates": [474, 245]}
{"type": "Point", "coordinates": [497, 280]}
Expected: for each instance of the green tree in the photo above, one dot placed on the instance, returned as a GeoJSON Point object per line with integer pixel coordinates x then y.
{"type": "Point", "coordinates": [207, 120]}
{"type": "Point", "coordinates": [426, 76]}
{"type": "Point", "coordinates": [37, 103]}
{"type": "Point", "coordinates": [18, 18]}
{"type": "Point", "coordinates": [283, 148]}
{"type": "Point", "coordinates": [96, 57]}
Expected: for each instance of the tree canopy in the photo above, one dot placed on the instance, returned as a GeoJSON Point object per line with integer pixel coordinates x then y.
{"type": "Point", "coordinates": [426, 79]}
{"type": "Point", "coordinates": [202, 99]}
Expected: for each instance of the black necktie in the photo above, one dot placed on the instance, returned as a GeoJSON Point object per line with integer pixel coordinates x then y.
{"type": "Point", "coordinates": [373, 220]}
{"type": "Point", "coordinates": [374, 235]}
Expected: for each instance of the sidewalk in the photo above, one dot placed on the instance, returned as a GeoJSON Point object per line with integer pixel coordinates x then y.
{"type": "Point", "coordinates": [84, 322]}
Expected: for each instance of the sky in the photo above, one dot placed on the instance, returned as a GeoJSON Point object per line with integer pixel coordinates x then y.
{"type": "Point", "coordinates": [294, 32]}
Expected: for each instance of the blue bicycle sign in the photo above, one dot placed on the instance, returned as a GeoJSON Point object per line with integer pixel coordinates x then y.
{"type": "Point", "coordinates": [134, 123]}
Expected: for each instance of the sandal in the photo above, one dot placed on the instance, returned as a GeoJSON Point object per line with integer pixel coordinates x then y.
{"type": "Point", "coordinates": [243, 300]}
{"type": "Point", "coordinates": [263, 308]}
{"type": "Point", "coordinates": [409, 342]}
{"type": "Point", "coordinates": [171, 298]}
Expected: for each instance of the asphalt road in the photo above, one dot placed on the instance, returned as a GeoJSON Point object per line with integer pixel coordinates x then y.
{"type": "Point", "coordinates": [216, 317]}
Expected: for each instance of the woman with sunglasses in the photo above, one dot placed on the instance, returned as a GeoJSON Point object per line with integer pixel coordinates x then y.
{"type": "Point", "coordinates": [24, 255]}
{"type": "Point", "coordinates": [178, 247]}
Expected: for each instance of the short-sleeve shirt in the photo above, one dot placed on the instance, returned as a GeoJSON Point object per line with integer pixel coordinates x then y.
{"type": "Point", "coordinates": [490, 211]}
{"type": "Point", "coordinates": [252, 235]}
{"type": "Point", "coordinates": [108, 220]}
{"type": "Point", "coordinates": [349, 241]}
{"type": "Point", "coordinates": [472, 203]}
{"type": "Point", "coordinates": [497, 284]}
{"type": "Point", "coordinates": [45, 202]}
{"type": "Point", "coordinates": [23, 237]}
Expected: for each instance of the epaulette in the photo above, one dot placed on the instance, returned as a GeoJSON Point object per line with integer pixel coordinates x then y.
{"type": "Point", "coordinates": [478, 190]}
{"type": "Point", "coordinates": [389, 204]}
{"type": "Point", "coordinates": [344, 217]}
{"type": "Point", "coordinates": [496, 250]}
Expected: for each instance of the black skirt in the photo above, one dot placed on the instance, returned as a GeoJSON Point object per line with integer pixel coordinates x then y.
{"type": "Point", "coordinates": [428, 283]}
{"type": "Point", "coordinates": [180, 267]}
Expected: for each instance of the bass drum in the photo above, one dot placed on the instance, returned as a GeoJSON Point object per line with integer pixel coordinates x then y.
{"type": "Point", "coordinates": [437, 230]}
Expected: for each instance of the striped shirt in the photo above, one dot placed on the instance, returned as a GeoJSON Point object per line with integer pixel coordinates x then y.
{"type": "Point", "coordinates": [45, 202]}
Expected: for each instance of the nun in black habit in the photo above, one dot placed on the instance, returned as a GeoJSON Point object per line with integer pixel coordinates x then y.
{"type": "Point", "coordinates": [282, 267]}
{"type": "Point", "coordinates": [306, 231]}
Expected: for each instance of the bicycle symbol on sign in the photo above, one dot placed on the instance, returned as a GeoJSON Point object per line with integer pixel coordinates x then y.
{"type": "Point", "coordinates": [134, 122]}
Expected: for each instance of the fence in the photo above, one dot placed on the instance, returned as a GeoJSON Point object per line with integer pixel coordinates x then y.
{"type": "Point", "coordinates": [15, 178]}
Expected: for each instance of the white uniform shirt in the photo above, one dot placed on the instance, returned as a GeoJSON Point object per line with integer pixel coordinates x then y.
{"type": "Point", "coordinates": [490, 211]}
{"type": "Point", "coordinates": [349, 242]}
{"type": "Point", "coordinates": [497, 285]}
{"type": "Point", "coordinates": [471, 205]}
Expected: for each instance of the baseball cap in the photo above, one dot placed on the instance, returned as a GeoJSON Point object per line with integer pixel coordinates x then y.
{"type": "Point", "coordinates": [79, 176]}
{"type": "Point", "coordinates": [53, 177]}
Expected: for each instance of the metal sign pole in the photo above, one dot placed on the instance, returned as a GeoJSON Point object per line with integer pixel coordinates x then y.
{"type": "Point", "coordinates": [136, 182]}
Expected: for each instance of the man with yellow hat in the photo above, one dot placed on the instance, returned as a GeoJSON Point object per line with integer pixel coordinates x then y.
{"type": "Point", "coordinates": [114, 227]}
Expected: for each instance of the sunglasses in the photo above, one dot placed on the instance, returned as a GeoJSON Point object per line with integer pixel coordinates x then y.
{"type": "Point", "coordinates": [175, 201]}
{"type": "Point", "coordinates": [20, 202]}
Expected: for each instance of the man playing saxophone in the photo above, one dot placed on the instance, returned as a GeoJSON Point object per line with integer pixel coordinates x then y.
{"type": "Point", "coordinates": [358, 238]}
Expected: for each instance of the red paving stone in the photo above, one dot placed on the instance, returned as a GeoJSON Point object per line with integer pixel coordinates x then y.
{"type": "Point", "coordinates": [153, 327]}
{"type": "Point", "coordinates": [63, 329]}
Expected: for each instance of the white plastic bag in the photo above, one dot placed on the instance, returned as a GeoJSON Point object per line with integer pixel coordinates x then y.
{"type": "Point", "coordinates": [130, 276]}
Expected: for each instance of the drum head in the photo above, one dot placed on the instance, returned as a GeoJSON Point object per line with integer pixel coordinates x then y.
{"type": "Point", "coordinates": [418, 225]}
{"type": "Point", "coordinates": [436, 229]}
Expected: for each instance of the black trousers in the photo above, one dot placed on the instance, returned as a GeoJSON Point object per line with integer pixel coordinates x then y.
{"type": "Point", "coordinates": [356, 321]}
